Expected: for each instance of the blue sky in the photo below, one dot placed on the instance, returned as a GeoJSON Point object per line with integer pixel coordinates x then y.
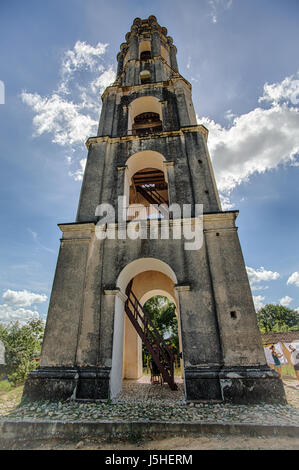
{"type": "Point", "coordinates": [241, 58]}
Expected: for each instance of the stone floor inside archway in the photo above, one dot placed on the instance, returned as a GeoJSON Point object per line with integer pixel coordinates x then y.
{"type": "Point", "coordinates": [142, 391]}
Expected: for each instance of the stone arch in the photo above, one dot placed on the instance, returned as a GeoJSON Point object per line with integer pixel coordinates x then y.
{"type": "Point", "coordinates": [129, 272]}
{"type": "Point", "coordinates": [153, 164]}
{"type": "Point", "coordinates": [145, 159]}
{"type": "Point", "coordinates": [154, 293]}
{"type": "Point", "coordinates": [141, 265]}
{"type": "Point", "coordinates": [143, 104]}
{"type": "Point", "coordinates": [145, 49]}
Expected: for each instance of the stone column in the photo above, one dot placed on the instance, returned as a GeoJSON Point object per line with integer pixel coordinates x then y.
{"type": "Point", "coordinates": [92, 182]}
{"type": "Point", "coordinates": [88, 343]}
{"type": "Point", "coordinates": [173, 59]}
{"type": "Point", "coordinates": [134, 47]}
{"type": "Point", "coordinates": [120, 63]}
{"type": "Point", "coordinates": [118, 339]}
{"type": "Point", "coordinates": [245, 377]}
{"type": "Point", "coordinates": [171, 181]}
{"type": "Point", "coordinates": [57, 374]}
{"type": "Point", "coordinates": [156, 44]}
{"type": "Point", "coordinates": [201, 361]}
{"type": "Point", "coordinates": [184, 118]}
{"type": "Point", "coordinates": [122, 190]}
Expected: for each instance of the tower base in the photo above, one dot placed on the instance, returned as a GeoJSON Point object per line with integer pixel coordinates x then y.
{"type": "Point", "coordinates": [58, 383]}
{"type": "Point", "coordinates": [239, 385]}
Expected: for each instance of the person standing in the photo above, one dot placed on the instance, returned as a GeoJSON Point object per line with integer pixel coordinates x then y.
{"type": "Point", "coordinates": [276, 358]}
{"type": "Point", "coordinates": [295, 361]}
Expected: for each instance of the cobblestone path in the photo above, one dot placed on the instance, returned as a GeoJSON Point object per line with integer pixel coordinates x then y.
{"type": "Point", "coordinates": [141, 401]}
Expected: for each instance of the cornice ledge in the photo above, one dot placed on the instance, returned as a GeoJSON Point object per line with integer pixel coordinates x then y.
{"type": "Point", "coordinates": [77, 227]}
{"type": "Point", "coordinates": [197, 128]}
{"type": "Point", "coordinates": [116, 292]}
{"type": "Point", "coordinates": [180, 132]}
{"type": "Point", "coordinates": [215, 217]}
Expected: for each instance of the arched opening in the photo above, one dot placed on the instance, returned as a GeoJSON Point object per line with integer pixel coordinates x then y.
{"type": "Point", "coordinates": [145, 116]}
{"type": "Point", "coordinates": [145, 50]}
{"type": "Point", "coordinates": [161, 308]}
{"type": "Point", "coordinates": [146, 184]}
{"type": "Point", "coordinates": [145, 77]}
{"type": "Point", "coordinates": [146, 123]}
{"type": "Point", "coordinates": [148, 277]}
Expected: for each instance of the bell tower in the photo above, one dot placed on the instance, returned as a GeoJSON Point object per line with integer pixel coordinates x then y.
{"type": "Point", "coordinates": [149, 161]}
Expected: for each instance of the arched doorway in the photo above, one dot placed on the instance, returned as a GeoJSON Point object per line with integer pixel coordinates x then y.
{"type": "Point", "coordinates": [145, 116]}
{"type": "Point", "coordinates": [146, 184]}
{"type": "Point", "coordinates": [149, 276]}
{"type": "Point", "coordinates": [161, 308]}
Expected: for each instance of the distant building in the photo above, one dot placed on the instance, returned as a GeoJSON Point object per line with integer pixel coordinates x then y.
{"type": "Point", "coordinates": [286, 337]}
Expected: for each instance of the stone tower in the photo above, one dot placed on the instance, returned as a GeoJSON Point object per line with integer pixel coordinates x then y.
{"type": "Point", "coordinates": [150, 149]}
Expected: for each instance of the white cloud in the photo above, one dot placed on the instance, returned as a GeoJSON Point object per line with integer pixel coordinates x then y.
{"type": "Point", "coordinates": [258, 302]}
{"type": "Point", "coordinates": [294, 279]}
{"type": "Point", "coordinates": [102, 81]}
{"type": "Point", "coordinates": [285, 301]}
{"type": "Point", "coordinates": [258, 288]}
{"type": "Point", "coordinates": [83, 56]}
{"type": "Point", "coordinates": [9, 314]}
{"type": "Point", "coordinates": [225, 202]}
{"type": "Point", "coordinates": [23, 298]}
{"type": "Point", "coordinates": [215, 5]}
{"type": "Point", "coordinates": [261, 274]}
{"type": "Point", "coordinates": [287, 90]}
{"type": "Point", "coordinates": [257, 141]}
{"type": "Point", "coordinates": [78, 174]}
{"type": "Point", "coordinates": [229, 115]}
{"type": "Point", "coordinates": [70, 114]}
{"type": "Point", "coordinates": [59, 117]}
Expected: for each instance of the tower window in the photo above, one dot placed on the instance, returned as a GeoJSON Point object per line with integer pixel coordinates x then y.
{"type": "Point", "coordinates": [233, 314]}
{"type": "Point", "coordinates": [147, 123]}
{"type": "Point", "coordinates": [145, 76]}
{"type": "Point", "coordinates": [145, 55]}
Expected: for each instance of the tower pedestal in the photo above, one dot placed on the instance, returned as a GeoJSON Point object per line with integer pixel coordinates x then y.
{"type": "Point", "coordinates": [48, 383]}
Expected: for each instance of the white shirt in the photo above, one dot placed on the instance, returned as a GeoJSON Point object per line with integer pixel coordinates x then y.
{"type": "Point", "coordinates": [295, 357]}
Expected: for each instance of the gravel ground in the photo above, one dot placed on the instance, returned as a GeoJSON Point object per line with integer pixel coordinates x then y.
{"type": "Point", "coordinates": [143, 402]}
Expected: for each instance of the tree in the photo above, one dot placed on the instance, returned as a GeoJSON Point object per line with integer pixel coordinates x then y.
{"type": "Point", "coordinates": [162, 314]}
{"type": "Point", "coordinates": [22, 344]}
{"type": "Point", "coordinates": [276, 318]}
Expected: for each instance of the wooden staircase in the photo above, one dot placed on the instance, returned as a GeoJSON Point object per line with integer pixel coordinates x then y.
{"type": "Point", "coordinates": [151, 194]}
{"type": "Point", "coordinates": [162, 354]}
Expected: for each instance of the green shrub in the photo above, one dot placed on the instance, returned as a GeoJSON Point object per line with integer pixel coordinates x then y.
{"type": "Point", "coordinates": [22, 344]}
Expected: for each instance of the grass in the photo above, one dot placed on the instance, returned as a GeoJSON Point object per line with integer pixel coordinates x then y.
{"type": "Point", "coordinates": [5, 386]}
{"type": "Point", "coordinates": [10, 396]}
{"type": "Point", "coordinates": [287, 370]}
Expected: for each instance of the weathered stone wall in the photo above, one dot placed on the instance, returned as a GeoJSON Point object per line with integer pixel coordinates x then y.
{"type": "Point", "coordinates": [60, 341]}
{"type": "Point", "coordinates": [193, 181]}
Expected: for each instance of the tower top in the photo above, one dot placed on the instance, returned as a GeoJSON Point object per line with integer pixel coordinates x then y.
{"type": "Point", "coordinates": [148, 47]}
{"type": "Point", "coordinates": [145, 28]}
